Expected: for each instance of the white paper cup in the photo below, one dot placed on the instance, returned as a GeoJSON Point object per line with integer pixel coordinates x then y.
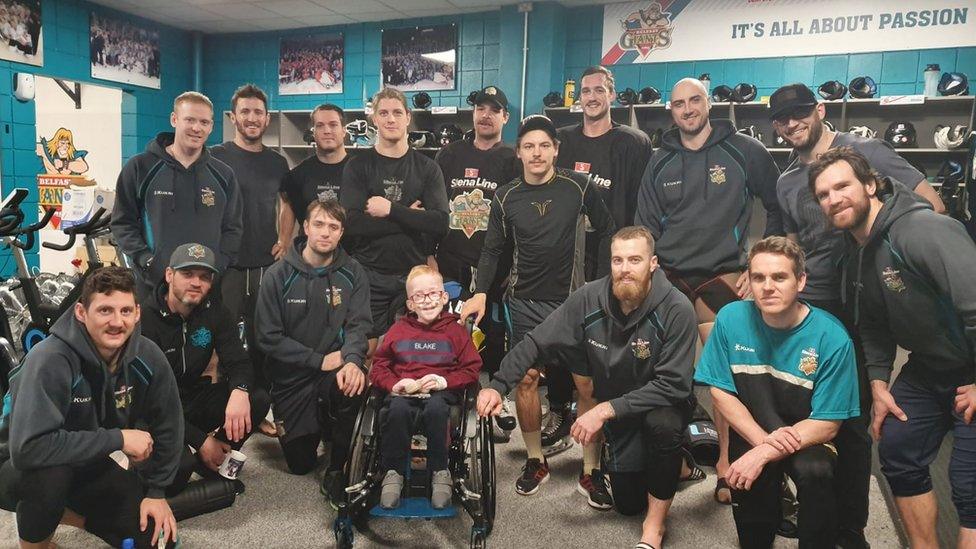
{"type": "Point", "coordinates": [232, 465]}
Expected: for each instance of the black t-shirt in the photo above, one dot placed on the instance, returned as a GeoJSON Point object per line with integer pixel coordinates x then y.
{"type": "Point", "coordinates": [312, 180]}
{"type": "Point", "coordinates": [396, 243]}
{"type": "Point", "coordinates": [259, 176]}
{"type": "Point", "coordinates": [613, 162]}
{"type": "Point", "coordinates": [472, 176]}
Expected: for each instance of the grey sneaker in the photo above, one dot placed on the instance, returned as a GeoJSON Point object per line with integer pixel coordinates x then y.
{"type": "Point", "coordinates": [441, 489]}
{"type": "Point", "coordinates": [391, 487]}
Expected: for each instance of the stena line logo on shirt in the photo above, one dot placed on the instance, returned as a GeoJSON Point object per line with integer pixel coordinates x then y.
{"type": "Point", "coordinates": [393, 189]}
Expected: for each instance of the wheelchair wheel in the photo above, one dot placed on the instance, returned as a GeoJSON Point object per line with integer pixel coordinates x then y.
{"type": "Point", "coordinates": [363, 456]}
{"type": "Point", "coordinates": [478, 540]}
{"type": "Point", "coordinates": [488, 474]}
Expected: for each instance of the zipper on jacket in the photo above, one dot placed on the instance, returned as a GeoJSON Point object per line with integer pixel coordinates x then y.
{"type": "Point", "coordinates": [183, 348]}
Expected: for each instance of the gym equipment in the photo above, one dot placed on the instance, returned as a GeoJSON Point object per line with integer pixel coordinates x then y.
{"type": "Point", "coordinates": [832, 90]}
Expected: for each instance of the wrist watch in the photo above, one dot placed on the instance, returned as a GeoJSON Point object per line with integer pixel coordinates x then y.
{"type": "Point", "coordinates": [242, 387]}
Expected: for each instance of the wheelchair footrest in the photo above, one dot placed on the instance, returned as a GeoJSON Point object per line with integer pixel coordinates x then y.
{"type": "Point", "coordinates": [414, 508]}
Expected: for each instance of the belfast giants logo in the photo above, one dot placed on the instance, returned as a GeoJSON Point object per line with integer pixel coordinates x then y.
{"type": "Point", "coordinates": [201, 338]}
{"type": "Point", "coordinates": [646, 30]}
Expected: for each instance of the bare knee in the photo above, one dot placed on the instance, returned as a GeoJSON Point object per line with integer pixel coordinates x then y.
{"type": "Point", "coordinates": [530, 382]}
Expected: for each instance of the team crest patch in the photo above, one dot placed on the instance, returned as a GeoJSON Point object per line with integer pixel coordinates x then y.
{"type": "Point", "coordinates": [808, 361]}
{"type": "Point", "coordinates": [543, 207]}
{"type": "Point", "coordinates": [582, 167]}
{"type": "Point", "coordinates": [201, 338]}
{"type": "Point", "coordinates": [123, 397]}
{"type": "Point", "coordinates": [207, 196]}
{"type": "Point", "coordinates": [892, 279]}
{"type": "Point", "coordinates": [393, 189]}
{"type": "Point", "coordinates": [646, 30]}
{"type": "Point", "coordinates": [641, 348]}
{"type": "Point", "coordinates": [327, 194]}
{"type": "Point", "coordinates": [469, 212]}
{"type": "Point", "coordinates": [196, 251]}
{"type": "Point", "coordinates": [716, 174]}
{"type": "Point", "coordinates": [491, 90]}
{"type": "Point", "coordinates": [336, 296]}
{"type": "Point", "coordinates": [471, 173]}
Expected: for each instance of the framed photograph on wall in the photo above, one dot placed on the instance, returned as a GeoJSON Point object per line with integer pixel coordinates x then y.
{"type": "Point", "coordinates": [20, 31]}
{"type": "Point", "coordinates": [122, 51]}
{"type": "Point", "coordinates": [310, 64]}
{"type": "Point", "coordinates": [420, 58]}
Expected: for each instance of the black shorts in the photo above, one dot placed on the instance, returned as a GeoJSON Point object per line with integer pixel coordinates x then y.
{"type": "Point", "coordinates": [714, 292]}
{"type": "Point", "coordinates": [523, 315]}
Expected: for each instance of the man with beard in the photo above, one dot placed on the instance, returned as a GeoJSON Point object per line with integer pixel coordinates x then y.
{"type": "Point", "coordinates": [312, 323]}
{"type": "Point", "coordinates": [473, 170]}
{"type": "Point", "coordinates": [318, 177]}
{"type": "Point", "coordinates": [799, 119]}
{"type": "Point", "coordinates": [696, 198]}
{"type": "Point", "coordinates": [397, 205]}
{"type": "Point", "coordinates": [259, 171]}
{"type": "Point", "coordinates": [175, 193]}
{"type": "Point", "coordinates": [908, 281]}
{"type": "Point", "coordinates": [613, 156]}
{"type": "Point", "coordinates": [634, 337]}
{"type": "Point", "coordinates": [539, 218]}
{"type": "Point", "coordinates": [189, 327]}
{"type": "Point", "coordinates": [783, 374]}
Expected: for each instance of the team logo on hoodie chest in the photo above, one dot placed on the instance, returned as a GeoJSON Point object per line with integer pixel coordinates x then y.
{"type": "Point", "coordinates": [641, 348]}
{"type": "Point", "coordinates": [334, 295]}
{"type": "Point", "coordinates": [716, 174]}
{"type": "Point", "coordinates": [208, 197]}
{"type": "Point", "coordinates": [892, 280]}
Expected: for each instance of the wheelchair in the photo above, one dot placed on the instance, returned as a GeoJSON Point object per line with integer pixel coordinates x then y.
{"type": "Point", "coordinates": [471, 460]}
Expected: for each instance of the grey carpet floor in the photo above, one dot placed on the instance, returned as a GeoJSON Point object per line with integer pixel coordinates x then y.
{"type": "Point", "coordinates": [280, 510]}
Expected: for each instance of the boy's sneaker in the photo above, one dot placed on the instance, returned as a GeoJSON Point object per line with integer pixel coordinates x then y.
{"type": "Point", "coordinates": [441, 489]}
{"type": "Point", "coordinates": [594, 487]}
{"type": "Point", "coordinates": [506, 421]}
{"type": "Point", "coordinates": [534, 473]}
{"type": "Point", "coordinates": [391, 488]}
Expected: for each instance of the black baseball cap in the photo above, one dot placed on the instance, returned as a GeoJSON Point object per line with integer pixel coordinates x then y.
{"type": "Point", "coordinates": [537, 122]}
{"type": "Point", "coordinates": [788, 98]}
{"type": "Point", "coordinates": [191, 255]}
{"type": "Point", "coordinates": [492, 94]}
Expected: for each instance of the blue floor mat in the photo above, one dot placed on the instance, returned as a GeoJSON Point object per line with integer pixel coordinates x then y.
{"type": "Point", "coordinates": [414, 508]}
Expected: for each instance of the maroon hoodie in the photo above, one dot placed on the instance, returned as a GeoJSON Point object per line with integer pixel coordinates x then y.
{"type": "Point", "coordinates": [412, 350]}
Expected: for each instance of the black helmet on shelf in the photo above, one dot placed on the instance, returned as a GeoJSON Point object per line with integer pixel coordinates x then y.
{"type": "Point", "coordinates": [743, 92]}
{"type": "Point", "coordinates": [308, 136]}
{"type": "Point", "coordinates": [421, 139]}
{"type": "Point", "coordinates": [627, 97]}
{"type": "Point", "coordinates": [862, 131]}
{"type": "Point", "coordinates": [901, 135]}
{"type": "Point", "coordinates": [648, 95]}
{"type": "Point", "coordinates": [953, 83]}
{"type": "Point", "coordinates": [752, 131]}
{"type": "Point", "coordinates": [656, 137]}
{"type": "Point", "coordinates": [553, 99]}
{"type": "Point", "coordinates": [950, 137]}
{"type": "Point", "coordinates": [722, 94]}
{"type": "Point", "coordinates": [449, 133]}
{"type": "Point", "coordinates": [862, 87]}
{"type": "Point", "coordinates": [422, 100]}
{"type": "Point", "coordinates": [469, 135]}
{"type": "Point", "coordinates": [829, 125]}
{"type": "Point", "coordinates": [832, 90]}
{"type": "Point", "coordinates": [360, 133]}
{"type": "Point", "coordinates": [781, 143]}
{"type": "Point", "coordinates": [472, 96]}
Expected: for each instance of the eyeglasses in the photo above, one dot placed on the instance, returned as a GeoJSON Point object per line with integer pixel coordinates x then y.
{"type": "Point", "coordinates": [419, 298]}
{"type": "Point", "coordinates": [797, 113]}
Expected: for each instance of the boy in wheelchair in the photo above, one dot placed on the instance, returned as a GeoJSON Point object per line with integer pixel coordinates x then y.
{"type": "Point", "coordinates": [424, 362]}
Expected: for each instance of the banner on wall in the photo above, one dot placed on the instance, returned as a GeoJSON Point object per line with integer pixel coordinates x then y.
{"type": "Point", "coordinates": [690, 30]}
{"type": "Point", "coordinates": [310, 64]}
{"type": "Point", "coordinates": [20, 31]}
{"type": "Point", "coordinates": [122, 51]}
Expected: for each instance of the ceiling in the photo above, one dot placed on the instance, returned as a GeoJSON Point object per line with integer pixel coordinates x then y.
{"type": "Point", "coordinates": [222, 16]}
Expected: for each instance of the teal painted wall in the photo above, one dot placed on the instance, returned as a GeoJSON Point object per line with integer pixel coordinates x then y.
{"type": "Point", "coordinates": [65, 41]}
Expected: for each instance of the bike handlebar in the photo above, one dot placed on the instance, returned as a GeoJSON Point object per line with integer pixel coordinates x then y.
{"type": "Point", "coordinates": [97, 222]}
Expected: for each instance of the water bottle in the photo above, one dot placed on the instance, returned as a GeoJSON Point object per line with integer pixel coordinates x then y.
{"type": "Point", "coordinates": [569, 93]}
{"type": "Point", "coordinates": [931, 74]}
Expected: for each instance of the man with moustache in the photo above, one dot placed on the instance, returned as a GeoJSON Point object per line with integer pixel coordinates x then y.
{"type": "Point", "coordinates": [799, 119]}
{"type": "Point", "coordinates": [783, 374]}
{"type": "Point", "coordinates": [907, 274]}
{"type": "Point", "coordinates": [613, 156]}
{"type": "Point", "coordinates": [318, 177]}
{"type": "Point", "coordinates": [473, 170]}
{"type": "Point", "coordinates": [190, 327]}
{"type": "Point", "coordinates": [539, 220]}
{"type": "Point", "coordinates": [259, 171]}
{"type": "Point", "coordinates": [175, 193]}
{"type": "Point", "coordinates": [312, 323]}
{"type": "Point", "coordinates": [396, 204]}
{"type": "Point", "coordinates": [696, 198]}
{"type": "Point", "coordinates": [634, 336]}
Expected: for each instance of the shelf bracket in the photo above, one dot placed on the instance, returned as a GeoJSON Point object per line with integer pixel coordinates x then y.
{"type": "Point", "coordinates": [74, 94]}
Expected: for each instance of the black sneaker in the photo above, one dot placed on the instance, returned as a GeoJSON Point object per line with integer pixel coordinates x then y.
{"type": "Point", "coordinates": [558, 427]}
{"type": "Point", "coordinates": [594, 487]}
{"type": "Point", "coordinates": [852, 539]}
{"type": "Point", "coordinates": [333, 487]}
{"type": "Point", "coordinates": [534, 473]}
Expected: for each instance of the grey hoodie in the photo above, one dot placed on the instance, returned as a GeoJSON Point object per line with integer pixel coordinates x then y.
{"type": "Point", "coordinates": [302, 315]}
{"type": "Point", "coordinates": [697, 204]}
{"type": "Point", "coordinates": [65, 408]}
{"type": "Point", "coordinates": [638, 362]}
{"type": "Point", "coordinates": [911, 285]}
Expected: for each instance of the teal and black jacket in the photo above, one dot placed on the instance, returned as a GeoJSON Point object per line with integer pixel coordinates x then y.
{"type": "Point", "coordinates": [160, 204]}
{"type": "Point", "coordinates": [65, 407]}
{"type": "Point", "coordinates": [911, 284]}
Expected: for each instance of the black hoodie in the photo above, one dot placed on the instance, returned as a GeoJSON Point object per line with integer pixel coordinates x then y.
{"type": "Point", "coordinates": [303, 314]}
{"type": "Point", "coordinates": [159, 205]}
{"type": "Point", "coordinates": [911, 284]}
{"type": "Point", "coordinates": [697, 204]}
{"type": "Point", "coordinates": [65, 408]}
